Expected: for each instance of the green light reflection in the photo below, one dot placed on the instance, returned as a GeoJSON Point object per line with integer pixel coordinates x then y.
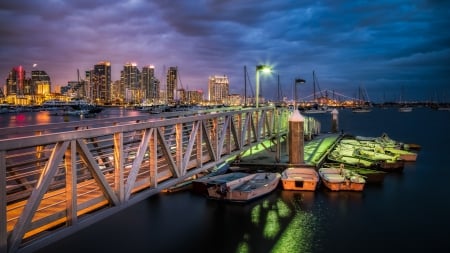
{"type": "Point", "coordinates": [298, 235]}
{"type": "Point", "coordinates": [272, 226]}
{"type": "Point", "coordinates": [256, 211]}
{"type": "Point", "coordinates": [283, 209]}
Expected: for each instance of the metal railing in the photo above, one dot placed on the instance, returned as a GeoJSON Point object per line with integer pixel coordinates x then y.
{"type": "Point", "coordinates": [62, 177]}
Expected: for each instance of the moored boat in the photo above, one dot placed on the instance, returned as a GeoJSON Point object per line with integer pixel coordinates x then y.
{"type": "Point", "coordinates": [340, 179]}
{"type": "Point", "coordinates": [405, 109]}
{"type": "Point", "coordinates": [387, 162]}
{"type": "Point", "coordinates": [337, 157]}
{"type": "Point", "coordinates": [202, 184]}
{"type": "Point", "coordinates": [299, 179]}
{"type": "Point", "coordinates": [246, 188]}
{"type": "Point", "coordinates": [405, 155]}
{"type": "Point", "coordinates": [370, 175]}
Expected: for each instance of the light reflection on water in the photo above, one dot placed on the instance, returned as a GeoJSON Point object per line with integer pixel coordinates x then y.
{"type": "Point", "coordinates": [47, 117]}
{"type": "Point", "coordinates": [403, 213]}
{"type": "Point", "coordinates": [286, 223]}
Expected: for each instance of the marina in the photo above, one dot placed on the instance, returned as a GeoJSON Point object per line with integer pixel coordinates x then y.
{"type": "Point", "coordinates": [320, 145]}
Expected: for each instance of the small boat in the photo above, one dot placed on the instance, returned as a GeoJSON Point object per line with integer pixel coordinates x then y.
{"type": "Point", "coordinates": [405, 109]}
{"type": "Point", "coordinates": [245, 188]}
{"type": "Point", "coordinates": [202, 184]}
{"type": "Point", "coordinates": [200, 187]}
{"type": "Point", "coordinates": [361, 109]}
{"type": "Point", "coordinates": [300, 179]}
{"type": "Point", "coordinates": [386, 162]}
{"type": "Point", "coordinates": [370, 175]}
{"type": "Point", "coordinates": [337, 157]}
{"type": "Point", "coordinates": [405, 155]}
{"type": "Point", "coordinates": [340, 179]}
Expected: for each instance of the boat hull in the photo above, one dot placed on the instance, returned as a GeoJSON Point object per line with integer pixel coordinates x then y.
{"type": "Point", "coordinates": [246, 188]}
{"type": "Point", "coordinates": [299, 179]}
{"type": "Point", "coordinates": [201, 185]}
{"type": "Point", "coordinates": [338, 179]}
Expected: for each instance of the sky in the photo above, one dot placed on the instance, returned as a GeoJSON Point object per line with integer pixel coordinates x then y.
{"type": "Point", "coordinates": [391, 49]}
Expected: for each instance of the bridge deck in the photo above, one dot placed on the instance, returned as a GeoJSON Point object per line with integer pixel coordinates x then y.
{"type": "Point", "coordinates": [58, 175]}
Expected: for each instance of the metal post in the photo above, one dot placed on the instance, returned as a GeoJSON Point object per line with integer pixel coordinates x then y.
{"type": "Point", "coordinates": [296, 138]}
{"type": "Point", "coordinates": [257, 86]}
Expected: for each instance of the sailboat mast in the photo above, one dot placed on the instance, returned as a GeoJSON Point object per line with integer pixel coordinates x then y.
{"type": "Point", "coordinates": [314, 86]}
{"type": "Point", "coordinates": [245, 85]}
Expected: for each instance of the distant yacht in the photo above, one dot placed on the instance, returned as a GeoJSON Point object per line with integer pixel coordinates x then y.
{"type": "Point", "coordinates": [405, 109]}
{"type": "Point", "coordinates": [403, 106]}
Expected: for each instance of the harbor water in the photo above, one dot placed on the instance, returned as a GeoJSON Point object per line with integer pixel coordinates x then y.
{"type": "Point", "coordinates": [405, 212]}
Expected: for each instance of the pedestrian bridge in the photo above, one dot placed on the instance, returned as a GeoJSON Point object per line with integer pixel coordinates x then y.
{"type": "Point", "coordinates": [56, 179]}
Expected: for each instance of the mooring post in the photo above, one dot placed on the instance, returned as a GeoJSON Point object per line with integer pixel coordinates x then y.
{"type": "Point", "coordinates": [296, 138]}
{"type": "Point", "coordinates": [334, 123]}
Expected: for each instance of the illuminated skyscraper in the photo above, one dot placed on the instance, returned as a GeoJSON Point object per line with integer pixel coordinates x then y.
{"type": "Point", "coordinates": [218, 89]}
{"type": "Point", "coordinates": [150, 84]}
{"type": "Point", "coordinates": [130, 81]}
{"type": "Point", "coordinates": [171, 88]}
{"type": "Point", "coordinates": [101, 83]}
{"type": "Point", "coordinates": [15, 81]}
{"type": "Point", "coordinates": [41, 83]}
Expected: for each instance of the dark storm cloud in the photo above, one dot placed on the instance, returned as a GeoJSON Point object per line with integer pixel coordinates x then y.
{"type": "Point", "coordinates": [378, 44]}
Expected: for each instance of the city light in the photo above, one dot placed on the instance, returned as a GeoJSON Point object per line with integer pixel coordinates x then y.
{"type": "Point", "coordinates": [264, 69]}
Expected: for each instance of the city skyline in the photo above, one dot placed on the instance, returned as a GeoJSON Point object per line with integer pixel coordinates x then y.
{"type": "Point", "coordinates": [383, 46]}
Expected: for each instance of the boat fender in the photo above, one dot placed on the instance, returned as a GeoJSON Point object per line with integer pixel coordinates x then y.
{"type": "Point", "coordinates": [223, 189]}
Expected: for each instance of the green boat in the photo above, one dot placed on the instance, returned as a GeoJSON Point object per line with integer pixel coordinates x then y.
{"type": "Point", "coordinates": [337, 157]}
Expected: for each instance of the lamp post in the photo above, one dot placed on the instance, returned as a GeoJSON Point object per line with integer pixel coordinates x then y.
{"type": "Point", "coordinates": [259, 68]}
{"type": "Point", "coordinates": [297, 81]}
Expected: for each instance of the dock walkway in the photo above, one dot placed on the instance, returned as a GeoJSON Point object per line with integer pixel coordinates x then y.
{"type": "Point", "coordinates": [315, 152]}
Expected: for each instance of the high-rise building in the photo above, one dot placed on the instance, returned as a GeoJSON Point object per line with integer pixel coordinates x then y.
{"type": "Point", "coordinates": [130, 78]}
{"type": "Point", "coordinates": [41, 83]}
{"type": "Point", "coordinates": [194, 97]}
{"type": "Point", "coordinates": [101, 83]}
{"type": "Point", "coordinates": [172, 85]}
{"type": "Point", "coordinates": [150, 84]}
{"type": "Point", "coordinates": [15, 83]}
{"type": "Point", "coordinates": [218, 89]}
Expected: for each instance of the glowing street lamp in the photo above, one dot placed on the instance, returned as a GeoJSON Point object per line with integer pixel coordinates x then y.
{"type": "Point", "coordinates": [297, 81]}
{"type": "Point", "coordinates": [264, 69]}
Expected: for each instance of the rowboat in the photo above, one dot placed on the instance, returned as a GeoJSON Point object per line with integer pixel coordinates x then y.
{"type": "Point", "coordinates": [245, 188]}
{"type": "Point", "coordinates": [202, 184]}
{"type": "Point", "coordinates": [201, 177]}
{"type": "Point", "coordinates": [299, 179]}
{"type": "Point", "coordinates": [405, 155]}
{"type": "Point", "coordinates": [340, 179]}
{"type": "Point", "coordinates": [386, 162]}
{"type": "Point", "coordinates": [337, 157]}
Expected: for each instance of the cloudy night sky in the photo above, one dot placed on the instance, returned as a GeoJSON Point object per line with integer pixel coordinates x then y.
{"type": "Point", "coordinates": [386, 46]}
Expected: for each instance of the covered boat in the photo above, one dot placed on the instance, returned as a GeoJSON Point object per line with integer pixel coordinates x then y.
{"type": "Point", "coordinates": [300, 179]}
{"type": "Point", "coordinates": [245, 188]}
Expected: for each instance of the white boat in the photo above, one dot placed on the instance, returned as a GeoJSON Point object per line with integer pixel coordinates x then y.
{"type": "Point", "coordinates": [246, 188]}
{"type": "Point", "coordinates": [405, 109]}
{"type": "Point", "coordinates": [361, 109]}
{"type": "Point", "coordinates": [315, 111]}
{"type": "Point", "coordinates": [202, 184]}
{"type": "Point", "coordinates": [299, 179]}
{"type": "Point", "coordinates": [199, 181]}
{"type": "Point", "coordinates": [340, 179]}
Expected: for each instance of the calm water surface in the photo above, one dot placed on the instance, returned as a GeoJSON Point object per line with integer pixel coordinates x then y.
{"type": "Point", "coordinates": [407, 212]}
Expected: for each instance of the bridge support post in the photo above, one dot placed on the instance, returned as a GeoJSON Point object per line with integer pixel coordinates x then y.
{"type": "Point", "coordinates": [334, 120]}
{"type": "Point", "coordinates": [296, 138]}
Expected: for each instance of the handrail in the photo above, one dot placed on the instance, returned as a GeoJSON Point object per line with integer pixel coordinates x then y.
{"type": "Point", "coordinates": [66, 179]}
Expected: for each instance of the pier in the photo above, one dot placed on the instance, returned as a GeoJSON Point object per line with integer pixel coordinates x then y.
{"type": "Point", "coordinates": [58, 178]}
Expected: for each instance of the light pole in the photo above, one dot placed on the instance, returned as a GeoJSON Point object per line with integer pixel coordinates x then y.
{"type": "Point", "coordinates": [297, 81]}
{"type": "Point", "coordinates": [259, 68]}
